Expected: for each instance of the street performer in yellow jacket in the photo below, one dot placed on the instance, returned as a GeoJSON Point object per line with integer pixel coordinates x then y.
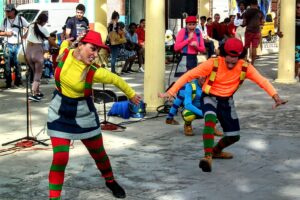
{"type": "Point", "coordinates": [72, 114]}
{"type": "Point", "coordinates": [224, 76]}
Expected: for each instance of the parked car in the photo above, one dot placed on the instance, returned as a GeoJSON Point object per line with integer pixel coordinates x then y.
{"type": "Point", "coordinates": [268, 29]}
{"type": "Point", "coordinates": [57, 13]}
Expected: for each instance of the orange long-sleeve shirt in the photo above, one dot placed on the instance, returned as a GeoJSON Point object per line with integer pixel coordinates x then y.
{"type": "Point", "coordinates": [227, 80]}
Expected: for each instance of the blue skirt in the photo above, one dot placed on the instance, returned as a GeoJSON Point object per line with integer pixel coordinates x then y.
{"type": "Point", "coordinates": [72, 118]}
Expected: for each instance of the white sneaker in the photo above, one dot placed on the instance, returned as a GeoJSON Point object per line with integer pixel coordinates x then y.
{"type": "Point", "coordinates": [141, 69]}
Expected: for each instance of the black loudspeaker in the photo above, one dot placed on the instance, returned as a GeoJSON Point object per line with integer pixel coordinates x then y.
{"type": "Point", "coordinates": [178, 7]}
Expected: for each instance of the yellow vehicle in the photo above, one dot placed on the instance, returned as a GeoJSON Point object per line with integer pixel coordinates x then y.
{"type": "Point", "coordinates": [268, 29]}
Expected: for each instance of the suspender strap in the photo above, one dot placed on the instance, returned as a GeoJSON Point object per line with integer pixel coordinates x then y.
{"type": "Point", "coordinates": [243, 73]}
{"type": "Point", "coordinates": [212, 76]}
{"type": "Point", "coordinates": [59, 68]}
{"type": "Point", "coordinates": [88, 91]}
{"type": "Point", "coordinates": [186, 35]}
{"type": "Point", "coordinates": [194, 88]}
{"type": "Point", "coordinates": [89, 76]}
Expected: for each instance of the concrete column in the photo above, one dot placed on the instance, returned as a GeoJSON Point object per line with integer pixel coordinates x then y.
{"type": "Point", "coordinates": [286, 62]}
{"type": "Point", "coordinates": [154, 77]}
{"type": "Point", "coordinates": [100, 24]}
{"type": "Point", "coordinates": [203, 8]}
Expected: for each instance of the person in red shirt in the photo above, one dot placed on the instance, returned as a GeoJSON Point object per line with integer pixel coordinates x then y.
{"type": "Point", "coordinates": [217, 31]}
{"type": "Point", "coordinates": [209, 26]}
{"type": "Point", "coordinates": [231, 29]}
{"type": "Point", "coordinates": [224, 76]}
{"type": "Point", "coordinates": [140, 31]}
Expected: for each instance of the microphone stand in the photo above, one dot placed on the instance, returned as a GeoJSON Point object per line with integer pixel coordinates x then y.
{"type": "Point", "coordinates": [27, 137]}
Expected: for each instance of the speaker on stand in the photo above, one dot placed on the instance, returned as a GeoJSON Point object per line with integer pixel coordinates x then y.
{"type": "Point", "coordinates": [178, 7]}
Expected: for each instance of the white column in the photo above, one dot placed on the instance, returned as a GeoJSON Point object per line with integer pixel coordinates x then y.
{"type": "Point", "coordinates": [154, 77]}
{"type": "Point", "coordinates": [286, 62]}
{"type": "Point", "coordinates": [203, 8]}
{"type": "Point", "coordinates": [100, 23]}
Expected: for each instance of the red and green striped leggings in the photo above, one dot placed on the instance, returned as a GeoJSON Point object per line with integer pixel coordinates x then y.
{"type": "Point", "coordinates": [223, 109]}
{"type": "Point", "coordinates": [60, 160]}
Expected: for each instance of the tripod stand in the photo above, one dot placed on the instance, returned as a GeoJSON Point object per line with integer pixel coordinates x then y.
{"type": "Point", "coordinates": [106, 96]}
{"type": "Point", "coordinates": [27, 137]}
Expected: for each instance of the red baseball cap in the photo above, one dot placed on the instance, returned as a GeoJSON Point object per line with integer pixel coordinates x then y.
{"type": "Point", "coordinates": [191, 19]}
{"type": "Point", "coordinates": [94, 38]}
{"type": "Point", "coordinates": [233, 47]}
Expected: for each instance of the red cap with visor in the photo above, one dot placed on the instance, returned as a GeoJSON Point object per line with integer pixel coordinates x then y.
{"type": "Point", "coordinates": [233, 47]}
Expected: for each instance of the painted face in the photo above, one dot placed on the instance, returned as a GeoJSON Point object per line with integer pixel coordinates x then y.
{"type": "Point", "coordinates": [231, 61]}
{"type": "Point", "coordinates": [191, 26]}
{"type": "Point", "coordinates": [88, 52]}
{"type": "Point", "coordinates": [79, 14]}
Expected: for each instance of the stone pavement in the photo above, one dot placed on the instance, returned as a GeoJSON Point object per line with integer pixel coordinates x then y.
{"type": "Point", "coordinates": [155, 161]}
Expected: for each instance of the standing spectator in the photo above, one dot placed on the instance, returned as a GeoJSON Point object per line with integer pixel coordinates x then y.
{"type": "Point", "coordinates": [189, 42]}
{"type": "Point", "coordinates": [209, 44]}
{"type": "Point", "coordinates": [37, 34]}
{"type": "Point", "coordinates": [253, 19]}
{"type": "Point", "coordinates": [114, 48]}
{"type": "Point", "coordinates": [11, 29]}
{"type": "Point", "coordinates": [78, 24]}
{"type": "Point", "coordinates": [72, 114]}
{"type": "Point", "coordinates": [117, 43]}
{"type": "Point", "coordinates": [115, 16]}
{"type": "Point", "coordinates": [297, 65]}
{"type": "Point", "coordinates": [238, 22]}
{"type": "Point", "coordinates": [141, 38]}
{"type": "Point", "coordinates": [132, 43]}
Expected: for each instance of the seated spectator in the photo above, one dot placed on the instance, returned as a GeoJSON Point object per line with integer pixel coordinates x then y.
{"type": "Point", "coordinates": [132, 44]}
{"type": "Point", "coordinates": [141, 38]}
{"type": "Point", "coordinates": [217, 31]}
{"type": "Point", "coordinates": [209, 44]}
{"type": "Point", "coordinates": [231, 28]}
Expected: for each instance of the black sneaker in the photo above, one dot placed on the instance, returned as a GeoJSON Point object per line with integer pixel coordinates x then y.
{"type": "Point", "coordinates": [116, 189]}
{"type": "Point", "coordinates": [34, 98]}
{"type": "Point", "coordinates": [40, 95]}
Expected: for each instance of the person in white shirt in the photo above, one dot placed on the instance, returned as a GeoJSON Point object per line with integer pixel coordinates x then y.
{"type": "Point", "coordinates": [37, 34]}
{"type": "Point", "coordinates": [12, 29]}
{"type": "Point", "coordinates": [238, 22]}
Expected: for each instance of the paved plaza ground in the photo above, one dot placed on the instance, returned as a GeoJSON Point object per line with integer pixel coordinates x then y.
{"type": "Point", "coordinates": [155, 161]}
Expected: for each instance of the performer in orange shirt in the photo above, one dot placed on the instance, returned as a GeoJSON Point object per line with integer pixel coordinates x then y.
{"type": "Point", "coordinates": [224, 76]}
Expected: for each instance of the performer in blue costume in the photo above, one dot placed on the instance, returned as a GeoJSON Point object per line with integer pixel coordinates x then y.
{"type": "Point", "coordinates": [189, 98]}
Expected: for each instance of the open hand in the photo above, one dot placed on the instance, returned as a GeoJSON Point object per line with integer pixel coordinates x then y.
{"type": "Point", "coordinates": [166, 96]}
{"type": "Point", "coordinates": [136, 99]}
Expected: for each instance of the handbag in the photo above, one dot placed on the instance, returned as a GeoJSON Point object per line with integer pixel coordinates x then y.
{"type": "Point", "coordinates": [21, 53]}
